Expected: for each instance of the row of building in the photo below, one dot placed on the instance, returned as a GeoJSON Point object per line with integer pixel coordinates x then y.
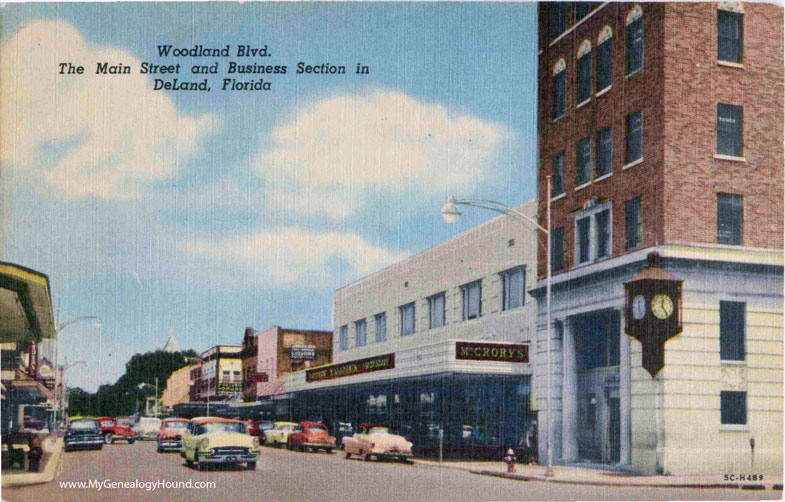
{"type": "Point", "coordinates": [660, 130]}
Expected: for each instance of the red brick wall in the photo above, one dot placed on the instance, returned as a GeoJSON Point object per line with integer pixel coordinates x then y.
{"type": "Point", "coordinates": [694, 84]}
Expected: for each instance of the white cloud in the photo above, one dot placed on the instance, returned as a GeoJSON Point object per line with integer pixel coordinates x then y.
{"type": "Point", "coordinates": [83, 135]}
{"type": "Point", "coordinates": [333, 152]}
{"type": "Point", "coordinates": [291, 255]}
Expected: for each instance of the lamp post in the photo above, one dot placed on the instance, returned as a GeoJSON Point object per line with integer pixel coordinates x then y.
{"type": "Point", "coordinates": [451, 213]}
{"type": "Point", "coordinates": [58, 329]}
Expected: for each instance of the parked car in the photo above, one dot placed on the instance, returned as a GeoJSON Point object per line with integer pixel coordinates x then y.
{"type": "Point", "coordinates": [112, 431]}
{"type": "Point", "coordinates": [257, 428]}
{"type": "Point", "coordinates": [83, 433]}
{"type": "Point", "coordinates": [213, 440]}
{"type": "Point", "coordinates": [170, 437]}
{"type": "Point", "coordinates": [311, 435]}
{"type": "Point", "coordinates": [279, 434]}
{"type": "Point", "coordinates": [32, 423]}
{"type": "Point", "coordinates": [375, 440]}
{"type": "Point", "coordinates": [148, 428]}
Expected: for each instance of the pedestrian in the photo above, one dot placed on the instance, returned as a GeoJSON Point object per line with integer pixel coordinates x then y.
{"type": "Point", "coordinates": [35, 454]}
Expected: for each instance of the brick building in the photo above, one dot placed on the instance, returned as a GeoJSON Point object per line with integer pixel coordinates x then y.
{"type": "Point", "coordinates": [661, 127]}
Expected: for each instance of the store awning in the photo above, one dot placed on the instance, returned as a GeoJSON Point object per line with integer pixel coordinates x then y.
{"type": "Point", "coordinates": [25, 305]}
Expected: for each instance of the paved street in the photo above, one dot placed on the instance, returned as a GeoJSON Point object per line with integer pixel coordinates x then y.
{"type": "Point", "coordinates": [288, 476]}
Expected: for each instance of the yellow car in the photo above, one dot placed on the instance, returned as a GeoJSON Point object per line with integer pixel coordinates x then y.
{"type": "Point", "coordinates": [213, 440]}
{"type": "Point", "coordinates": [279, 434]}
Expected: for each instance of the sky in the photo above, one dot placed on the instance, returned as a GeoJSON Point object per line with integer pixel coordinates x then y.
{"type": "Point", "coordinates": [199, 214]}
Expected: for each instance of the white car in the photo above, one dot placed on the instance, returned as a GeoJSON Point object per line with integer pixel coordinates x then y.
{"type": "Point", "coordinates": [375, 440]}
{"type": "Point", "coordinates": [148, 428]}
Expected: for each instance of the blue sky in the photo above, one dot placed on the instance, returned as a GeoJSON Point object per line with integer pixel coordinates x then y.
{"type": "Point", "coordinates": [203, 213]}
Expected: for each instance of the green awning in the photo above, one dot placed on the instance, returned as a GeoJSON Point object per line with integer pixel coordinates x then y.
{"type": "Point", "coordinates": [25, 305]}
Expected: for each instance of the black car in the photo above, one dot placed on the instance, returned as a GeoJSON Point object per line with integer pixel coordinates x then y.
{"type": "Point", "coordinates": [83, 433]}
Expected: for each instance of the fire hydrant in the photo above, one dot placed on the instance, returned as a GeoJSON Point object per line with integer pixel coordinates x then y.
{"type": "Point", "coordinates": [510, 460]}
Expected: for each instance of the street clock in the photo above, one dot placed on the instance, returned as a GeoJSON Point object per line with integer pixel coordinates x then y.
{"type": "Point", "coordinates": [653, 311]}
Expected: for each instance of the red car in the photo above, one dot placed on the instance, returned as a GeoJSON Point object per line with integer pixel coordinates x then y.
{"type": "Point", "coordinates": [170, 438]}
{"type": "Point", "coordinates": [111, 431]}
{"type": "Point", "coordinates": [256, 428]}
{"type": "Point", "coordinates": [311, 435]}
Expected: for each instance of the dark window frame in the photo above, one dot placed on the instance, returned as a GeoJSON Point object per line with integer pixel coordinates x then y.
{"type": "Point", "coordinates": [557, 187]}
{"type": "Point", "coordinates": [603, 237]}
{"type": "Point", "coordinates": [583, 167]}
{"type": "Point", "coordinates": [343, 335]}
{"type": "Point", "coordinates": [733, 407]}
{"type": "Point", "coordinates": [733, 318]}
{"type": "Point", "coordinates": [730, 225]}
{"type": "Point", "coordinates": [559, 95]}
{"type": "Point", "coordinates": [730, 130]}
{"type": "Point", "coordinates": [605, 65]}
{"type": "Point", "coordinates": [633, 139]}
{"type": "Point", "coordinates": [583, 240]}
{"type": "Point", "coordinates": [633, 217]}
{"type": "Point", "coordinates": [583, 87]}
{"type": "Point", "coordinates": [431, 303]}
{"type": "Point", "coordinates": [360, 341]}
{"type": "Point", "coordinates": [634, 55]}
{"type": "Point", "coordinates": [466, 289]}
{"type": "Point", "coordinates": [379, 319]}
{"type": "Point", "coordinates": [557, 251]}
{"type": "Point", "coordinates": [403, 309]}
{"type": "Point", "coordinates": [506, 278]}
{"type": "Point", "coordinates": [730, 49]}
{"type": "Point", "coordinates": [604, 159]}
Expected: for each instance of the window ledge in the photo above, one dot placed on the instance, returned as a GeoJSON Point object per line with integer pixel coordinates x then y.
{"type": "Point", "coordinates": [603, 91]}
{"type": "Point", "coordinates": [734, 428]}
{"type": "Point", "coordinates": [636, 72]}
{"type": "Point", "coordinates": [581, 187]}
{"type": "Point", "coordinates": [603, 177]}
{"type": "Point", "coordinates": [588, 100]}
{"type": "Point", "coordinates": [560, 196]}
{"type": "Point", "coordinates": [633, 163]}
{"type": "Point", "coordinates": [559, 117]}
{"type": "Point", "coordinates": [731, 158]}
{"type": "Point", "coordinates": [731, 64]}
{"type": "Point", "coordinates": [732, 362]}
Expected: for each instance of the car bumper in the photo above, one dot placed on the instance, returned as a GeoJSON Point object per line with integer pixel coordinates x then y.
{"type": "Point", "coordinates": [170, 445]}
{"type": "Point", "coordinates": [83, 443]}
{"type": "Point", "coordinates": [319, 445]}
{"type": "Point", "coordinates": [393, 454]}
{"type": "Point", "coordinates": [147, 437]}
{"type": "Point", "coordinates": [221, 458]}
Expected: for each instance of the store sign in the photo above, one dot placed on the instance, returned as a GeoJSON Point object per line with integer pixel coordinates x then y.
{"type": "Point", "coordinates": [302, 352]}
{"type": "Point", "coordinates": [507, 353]}
{"type": "Point", "coordinates": [256, 376]}
{"type": "Point", "coordinates": [32, 368]}
{"type": "Point", "coordinates": [351, 368]}
{"type": "Point", "coordinates": [229, 388]}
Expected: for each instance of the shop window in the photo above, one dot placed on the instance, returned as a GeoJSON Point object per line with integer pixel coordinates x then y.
{"type": "Point", "coordinates": [730, 36]}
{"type": "Point", "coordinates": [733, 407]}
{"type": "Point", "coordinates": [407, 319]}
{"type": "Point", "coordinates": [436, 310]}
{"type": "Point", "coordinates": [634, 41]}
{"type": "Point", "coordinates": [559, 90]}
{"type": "Point", "coordinates": [634, 223]}
{"type": "Point", "coordinates": [360, 333]}
{"type": "Point", "coordinates": [380, 321]}
{"type": "Point", "coordinates": [604, 145]}
{"type": "Point", "coordinates": [558, 175]}
{"type": "Point", "coordinates": [732, 321]}
{"type": "Point", "coordinates": [557, 248]}
{"type": "Point", "coordinates": [558, 18]}
{"type": "Point", "coordinates": [730, 130]}
{"type": "Point", "coordinates": [730, 217]}
{"type": "Point", "coordinates": [344, 337]}
{"type": "Point", "coordinates": [634, 137]}
{"type": "Point", "coordinates": [472, 300]}
{"type": "Point", "coordinates": [584, 73]}
{"type": "Point", "coordinates": [513, 288]}
{"type": "Point", "coordinates": [583, 162]}
{"type": "Point", "coordinates": [605, 59]}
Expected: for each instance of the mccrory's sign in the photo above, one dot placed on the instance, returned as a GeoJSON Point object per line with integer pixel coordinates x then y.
{"type": "Point", "coordinates": [477, 351]}
{"type": "Point", "coordinates": [350, 368]}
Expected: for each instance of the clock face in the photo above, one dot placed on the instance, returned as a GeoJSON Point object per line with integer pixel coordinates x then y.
{"type": "Point", "coordinates": [638, 307]}
{"type": "Point", "coordinates": [661, 306]}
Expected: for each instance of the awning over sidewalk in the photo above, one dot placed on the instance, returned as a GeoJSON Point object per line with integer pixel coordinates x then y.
{"type": "Point", "coordinates": [25, 305]}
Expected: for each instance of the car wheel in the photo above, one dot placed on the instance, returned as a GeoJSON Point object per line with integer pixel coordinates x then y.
{"type": "Point", "coordinates": [367, 457]}
{"type": "Point", "coordinates": [329, 450]}
{"type": "Point", "coordinates": [199, 466]}
{"type": "Point", "coordinates": [66, 449]}
{"type": "Point", "coordinates": [131, 441]}
{"type": "Point", "coordinates": [348, 455]}
{"type": "Point", "coordinates": [188, 463]}
{"type": "Point", "coordinates": [251, 466]}
{"type": "Point", "coordinates": [289, 445]}
{"type": "Point", "coordinates": [108, 438]}
{"type": "Point", "coordinates": [159, 449]}
{"type": "Point", "coordinates": [100, 447]}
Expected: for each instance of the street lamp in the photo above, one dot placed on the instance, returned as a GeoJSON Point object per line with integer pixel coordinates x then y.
{"type": "Point", "coordinates": [58, 329]}
{"type": "Point", "coordinates": [451, 213]}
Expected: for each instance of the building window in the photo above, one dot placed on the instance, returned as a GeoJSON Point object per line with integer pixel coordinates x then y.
{"type": "Point", "coordinates": [559, 91]}
{"type": "Point", "coordinates": [558, 175]}
{"type": "Point", "coordinates": [604, 145]}
{"type": "Point", "coordinates": [472, 300]}
{"type": "Point", "coordinates": [583, 9]}
{"type": "Point", "coordinates": [605, 59]}
{"type": "Point", "coordinates": [602, 225]}
{"type": "Point", "coordinates": [730, 36]}
{"type": "Point", "coordinates": [634, 40]}
{"type": "Point", "coordinates": [557, 248]}
{"type": "Point", "coordinates": [730, 130]}
{"type": "Point", "coordinates": [436, 310]}
{"type": "Point", "coordinates": [558, 18]}
{"type": "Point", "coordinates": [634, 136]}
{"type": "Point", "coordinates": [730, 217]}
{"type": "Point", "coordinates": [733, 407]}
{"type": "Point", "coordinates": [583, 241]}
{"type": "Point", "coordinates": [584, 73]}
{"type": "Point", "coordinates": [513, 284]}
{"type": "Point", "coordinates": [407, 319]}
{"type": "Point", "coordinates": [381, 327]}
{"type": "Point", "coordinates": [732, 321]}
{"type": "Point", "coordinates": [583, 162]}
{"type": "Point", "coordinates": [344, 337]}
{"type": "Point", "coordinates": [360, 332]}
{"type": "Point", "coordinates": [634, 223]}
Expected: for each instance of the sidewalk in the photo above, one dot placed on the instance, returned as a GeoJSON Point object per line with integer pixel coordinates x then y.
{"type": "Point", "coordinates": [584, 476]}
{"type": "Point", "coordinates": [53, 448]}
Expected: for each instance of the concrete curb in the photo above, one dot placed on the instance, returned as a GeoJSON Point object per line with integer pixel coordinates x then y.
{"type": "Point", "coordinates": [24, 479]}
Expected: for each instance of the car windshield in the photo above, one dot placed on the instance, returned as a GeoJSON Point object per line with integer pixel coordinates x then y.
{"type": "Point", "coordinates": [378, 430]}
{"type": "Point", "coordinates": [123, 421]}
{"type": "Point", "coordinates": [107, 423]}
{"type": "Point", "coordinates": [220, 427]}
{"type": "Point", "coordinates": [83, 425]}
{"type": "Point", "coordinates": [318, 428]}
{"type": "Point", "coordinates": [176, 425]}
{"type": "Point", "coordinates": [266, 426]}
{"type": "Point", "coordinates": [150, 422]}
